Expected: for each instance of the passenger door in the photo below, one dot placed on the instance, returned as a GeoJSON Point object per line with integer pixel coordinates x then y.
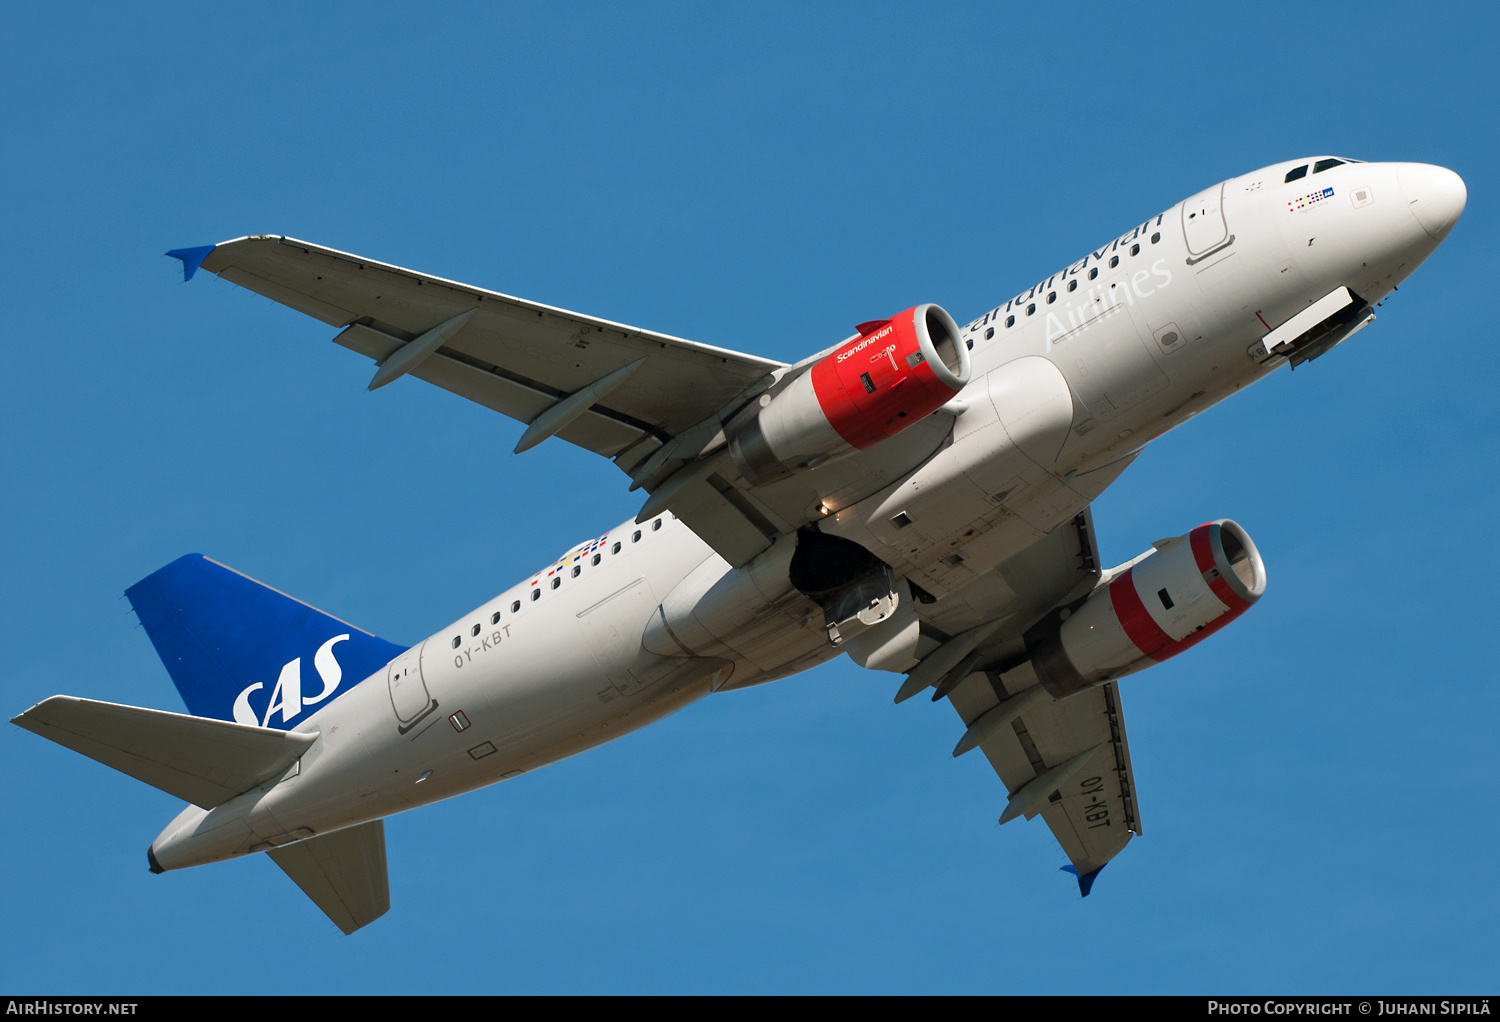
{"type": "Point", "coordinates": [1203, 224]}
{"type": "Point", "coordinates": [409, 696]}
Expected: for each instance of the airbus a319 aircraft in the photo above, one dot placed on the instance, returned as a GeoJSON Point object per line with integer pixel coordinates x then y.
{"type": "Point", "coordinates": [915, 496]}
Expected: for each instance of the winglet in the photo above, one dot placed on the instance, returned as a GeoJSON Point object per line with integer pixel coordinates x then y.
{"type": "Point", "coordinates": [1085, 880]}
{"type": "Point", "coordinates": [192, 258]}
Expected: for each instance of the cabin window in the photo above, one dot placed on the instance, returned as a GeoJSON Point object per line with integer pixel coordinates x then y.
{"type": "Point", "coordinates": [1155, 237]}
{"type": "Point", "coordinates": [556, 581]}
{"type": "Point", "coordinates": [577, 569]}
{"type": "Point", "coordinates": [495, 618]}
{"type": "Point", "coordinates": [635, 537]}
{"type": "Point", "coordinates": [535, 593]}
{"type": "Point", "coordinates": [1135, 250]}
{"type": "Point", "coordinates": [989, 333]}
{"type": "Point", "coordinates": [595, 559]}
{"type": "Point", "coordinates": [515, 607]}
{"type": "Point", "coordinates": [1010, 321]}
{"type": "Point", "coordinates": [1093, 273]}
{"type": "Point", "coordinates": [615, 549]}
{"type": "Point", "coordinates": [1329, 164]}
{"type": "Point", "coordinates": [1073, 285]}
{"type": "Point", "coordinates": [476, 628]}
{"type": "Point", "coordinates": [1114, 261]}
{"type": "Point", "coordinates": [1051, 297]}
{"type": "Point", "coordinates": [1030, 309]}
{"type": "Point", "coordinates": [1296, 172]}
{"type": "Point", "coordinates": [457, 641]}
{"type": "Point", "coordinates": [656, 525]}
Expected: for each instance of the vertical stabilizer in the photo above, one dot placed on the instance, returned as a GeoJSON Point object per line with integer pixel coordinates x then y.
{"type": "Point", "coordinates": [242, 651]}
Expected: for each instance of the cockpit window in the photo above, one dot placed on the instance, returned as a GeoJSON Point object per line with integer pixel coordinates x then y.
{"type": "Point", "coordinates": [1296, 172]}
{"type": "Point", "coordinates": [1327, 164]}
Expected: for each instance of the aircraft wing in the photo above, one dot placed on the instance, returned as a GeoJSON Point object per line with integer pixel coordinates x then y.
{"type": "Point", "coordinates": [632, 389]}
{"type": "Point", "coordinates": [1066, 760]}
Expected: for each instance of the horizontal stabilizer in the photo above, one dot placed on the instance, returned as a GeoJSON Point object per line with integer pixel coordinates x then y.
{"type": "Point", "coordinates": [205, 762]}
{"type": "Point", "coordinates": [343, 873]}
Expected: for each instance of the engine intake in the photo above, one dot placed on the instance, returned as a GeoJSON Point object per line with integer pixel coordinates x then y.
{"type": "Point", "coordinates": [894, 374]}
{"type": "Point", "coordinates": [1174, 597]}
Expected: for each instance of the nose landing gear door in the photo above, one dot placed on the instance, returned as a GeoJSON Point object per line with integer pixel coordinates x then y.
{"type": "Point", "coordinates": [409, 696]}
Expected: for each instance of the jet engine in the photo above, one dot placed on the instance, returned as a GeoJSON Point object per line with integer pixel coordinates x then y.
{"type": "Point", "coordinates": [895, 373]}
{"type": "Point", "coordinates": [1172, 597]}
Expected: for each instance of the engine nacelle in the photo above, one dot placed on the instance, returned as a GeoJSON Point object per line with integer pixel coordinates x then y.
{"type": "Point", "coordinates": [1175, 596]}
{"type": "Point", "coordinates": [894, 374]}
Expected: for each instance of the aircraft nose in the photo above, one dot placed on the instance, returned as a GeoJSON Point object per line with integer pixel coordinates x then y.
{"type": "Point", "coordinates": [1435, 195]}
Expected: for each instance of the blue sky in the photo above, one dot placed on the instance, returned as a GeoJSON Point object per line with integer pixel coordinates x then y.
{"type": "Point", "coordinates": [1316, 782]}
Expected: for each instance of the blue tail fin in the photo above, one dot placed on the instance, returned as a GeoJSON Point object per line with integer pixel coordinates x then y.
{"type": "Point", "coordinates": [238, 650]}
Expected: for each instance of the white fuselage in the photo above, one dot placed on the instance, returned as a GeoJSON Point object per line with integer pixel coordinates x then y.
{"type": "Point", "coordinates": [1071, 378]}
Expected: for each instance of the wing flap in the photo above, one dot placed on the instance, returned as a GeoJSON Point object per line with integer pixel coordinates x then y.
{"type": "Point", "coordinates": [202, 761]}
{"type": "Point", "coordinates": [592, 431]}
{"type": "Point", "coordinates": [344, 873]}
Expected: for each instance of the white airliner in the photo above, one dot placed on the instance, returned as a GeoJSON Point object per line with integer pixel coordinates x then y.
{"type": "Point", "coordinates": [916, 496]}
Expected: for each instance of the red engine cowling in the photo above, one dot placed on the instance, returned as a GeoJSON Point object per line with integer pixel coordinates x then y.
{"type": "Point", "coordinates": [895, 373]}
{"type": "Point", "coordinates": [1174, 597]}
